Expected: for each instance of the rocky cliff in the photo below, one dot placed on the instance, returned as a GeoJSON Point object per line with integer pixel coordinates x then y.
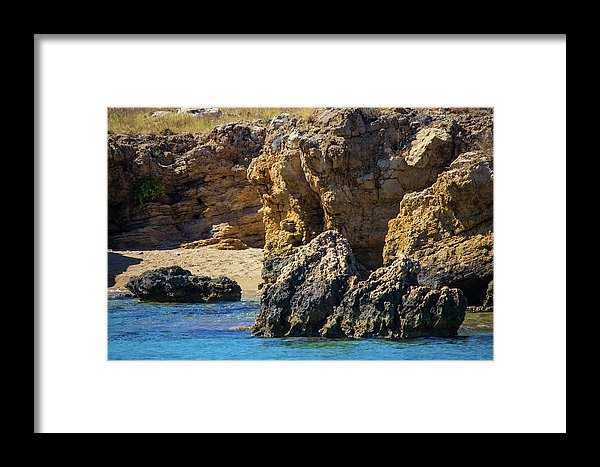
{"type": "Point", "coordinates": [448, 228]}
{"type": "Point", "coordinates": [168, 190]}
{"type": "Point", "coordinates": [349, 169]}
{"type": "Point", "coordinates": [409, 191]}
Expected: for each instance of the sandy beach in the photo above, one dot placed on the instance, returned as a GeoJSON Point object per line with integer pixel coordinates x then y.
{"type": "Point", "coordinates": [243, 266]}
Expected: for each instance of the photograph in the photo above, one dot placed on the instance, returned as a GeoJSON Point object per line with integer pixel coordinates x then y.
{"type": "Point", "coordinates": [300, 233]}
{"type": "Point", "coordinates": [247, 233]}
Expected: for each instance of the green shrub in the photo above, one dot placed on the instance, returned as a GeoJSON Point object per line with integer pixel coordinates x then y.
{"type": "Point", "coordinates": [148, 189]}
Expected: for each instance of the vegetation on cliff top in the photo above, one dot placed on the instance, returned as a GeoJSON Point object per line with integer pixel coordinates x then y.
{"type": "Point", "coordinates": [139, 121]}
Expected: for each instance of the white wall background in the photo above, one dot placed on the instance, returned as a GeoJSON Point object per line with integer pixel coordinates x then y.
{"type": "Point", "coordinates": [523, 389]}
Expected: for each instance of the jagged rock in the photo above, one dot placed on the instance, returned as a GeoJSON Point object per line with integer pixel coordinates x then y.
{"type": "Point", "coordinates": [200, 182]}
{"type": "Point", "coordinates": [432, 312]}
{"type": "Point", "coordinates": [390, 304]}
{"type": "Point", "coordinates": [370, 308]}
{"type": "Point", "coordinates": [175, 284]}
{"type": "Point", "coordinates": [324, 291]}
{"type": "Point", "coordinates": [348, 170]}
{"type": "Point", "coordinates": [308, 288]}
{"type": "Point", "coordinates": [448, 228]}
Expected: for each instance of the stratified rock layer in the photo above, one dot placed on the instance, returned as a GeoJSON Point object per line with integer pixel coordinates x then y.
{"type": "Point", "coordinates": [348, 169]}
{"type": "Point", "coordinates": [201, 190]}
{"type": "Point", "coordinates": [175, 284]}
{"type": "Point", "coordinates": [324, 291]}
{"type": "Point", "coordinates": [448, 228]}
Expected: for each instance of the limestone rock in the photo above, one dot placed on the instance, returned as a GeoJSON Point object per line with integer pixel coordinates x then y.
{"type": "Point", "coordinates": [222, 237]}
{"type": "Point", "coordinates": [348, 170]}
{"type": "Point", "coordinates": [390, 304]}
{"type": "Point", "coordinates": [432, 312]}
{"type": "Point", "coordinates": [308, 288]}
{"type": "Point", "coordinates": [217, 244]}
{"type": "Point", "coordinates": [370, 308]}
{"type": "Point", "coordinates": [175, 284]}
{"type": "Point", "coordinates": [200, 182]}
{"type": "Point", "coordinates": [431, 147]}
{"type": "Point", "coordinates": [448, 228]}
{"type": "Point", "coordinates": [324, 291]}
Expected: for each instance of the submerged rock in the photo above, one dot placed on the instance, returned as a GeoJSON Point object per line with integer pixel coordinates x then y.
{"type": "Point", "coordinates": [175, 284]}
{"type": "Point", "coordinates": [324, 291]}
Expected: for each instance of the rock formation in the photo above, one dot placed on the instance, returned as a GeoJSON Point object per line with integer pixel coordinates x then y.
{"type": "Point", "coordinates": [448, 228]}
{"type": "Point", "coordinates": [375, 222]}
{"type": "Point", "coordinates": [324, 291]}
{"type": "Point", "coordinates": [175, 284]}
{"type": "Point", "coordinates": [308, 288]}
{"type": "Point", "coordinates": [348, 170]}
{"type": "Point", "coordinates": [168, 190]}
{"type": "Point", "coordinates": [222, 237]}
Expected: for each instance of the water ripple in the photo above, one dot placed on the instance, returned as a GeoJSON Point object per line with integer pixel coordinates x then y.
{"type": "Point", "coordinates": [183, 331]}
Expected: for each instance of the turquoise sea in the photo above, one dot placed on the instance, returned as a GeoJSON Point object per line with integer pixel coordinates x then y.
{"type": "Point", "coordinates": [211, 331]}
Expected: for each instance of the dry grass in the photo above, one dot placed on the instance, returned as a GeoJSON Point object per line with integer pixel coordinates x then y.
{"type": "Point", "coordinates": [138, 121]}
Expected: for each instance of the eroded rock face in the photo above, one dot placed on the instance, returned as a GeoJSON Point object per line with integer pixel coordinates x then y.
{"type": "Point", "coordinates": [348, 170]}
{"type": "Point", "coordinates": [168, 190]}
{"type": "Point", "coordinates": [324, 291]}
{"type": "Point", "coordinates": [390, 304]}
{"type": "Point", "coordinates": [370, 308]}
{"type": "Point", "coordinates": [308, 288]}
{"type": "Point", "coordinates": [175, 284]}
{"type": "Point", "coordinates": [448, 228]}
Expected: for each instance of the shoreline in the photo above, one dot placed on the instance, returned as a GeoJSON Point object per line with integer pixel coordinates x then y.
{"type": "Point", "coordinates": [243, 266]}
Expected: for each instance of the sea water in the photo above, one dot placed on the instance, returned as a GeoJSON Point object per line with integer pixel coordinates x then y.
{"type": "Point", "coordinates": [211, 331]}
